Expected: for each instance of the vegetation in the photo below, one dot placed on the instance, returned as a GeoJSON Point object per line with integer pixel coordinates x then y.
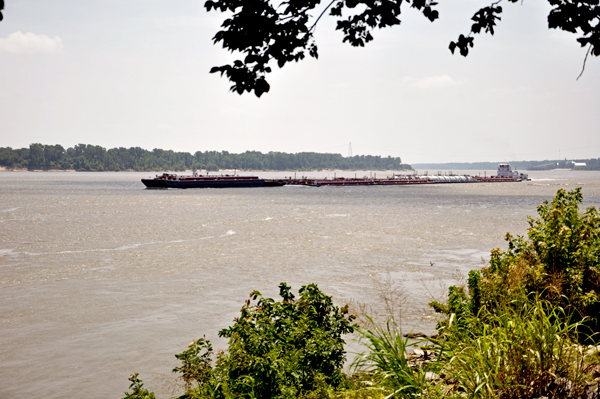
{"type": "Point", "coordinates": [520, 330]}
{"type": "Point", "coordinates": [96, 158]}
{"type": "Point", "coordinates": [559, 263]}
{"type": "Point", "coordinates": [264, 31]}
{"type": "Point", "coordinates": [523, 349]}
{"type": "Point", "coordinates": [137, 389]}
{"type": "Point", "coordinates": [386, 361]}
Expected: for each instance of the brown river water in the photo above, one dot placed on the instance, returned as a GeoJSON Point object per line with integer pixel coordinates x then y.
{"type": "Point", "coordinates": [100, 278]}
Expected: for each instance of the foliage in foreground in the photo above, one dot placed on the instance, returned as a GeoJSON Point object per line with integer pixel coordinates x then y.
{"type": "Point", "coordinates": [266, 32]}
{"type": "Point", "coordinates": [279, 349]}
{"type": "Point", "coordinates": [522, 350]}
{"type": "Point", "coordinates": [385, 360]}
{"type": "Point", "coordinates": [559, 262]}
{"type": "Point", "coordinates": [290, 348]}
{"type": "Point", "coordinates": [518, 330]}
{"type": "Point", "coordinates": [137, 389]}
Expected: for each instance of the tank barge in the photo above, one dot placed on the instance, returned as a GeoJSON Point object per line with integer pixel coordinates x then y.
{"type": "Point", "coordinates": [366, 181]}
{"type": "Point", "coordinates": [504, 174]}
{"type": "Point", "coordinates": [167, 180]}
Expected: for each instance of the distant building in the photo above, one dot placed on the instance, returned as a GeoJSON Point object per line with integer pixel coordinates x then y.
{"type": "Point", "coordinates": [579, 164]}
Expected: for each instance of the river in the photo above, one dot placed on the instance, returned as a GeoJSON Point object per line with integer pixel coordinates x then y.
{"type": "Point", "coordinates": [100, 278]}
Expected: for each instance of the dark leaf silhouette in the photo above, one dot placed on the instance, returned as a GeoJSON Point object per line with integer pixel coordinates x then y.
{"type": "Point", "coordinates": [265, 32]}
{"type": "Point", "coordinates": [283, 33]}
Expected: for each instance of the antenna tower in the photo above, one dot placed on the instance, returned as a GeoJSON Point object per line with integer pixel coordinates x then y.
{"type": "Point", "coordinates": [350, 150]}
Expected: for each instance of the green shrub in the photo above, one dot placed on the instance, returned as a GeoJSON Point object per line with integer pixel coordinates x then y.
{"type": "Point", "coordinates": [287, 349]}
{"type": "Point", "coordinates": [278, 349]}
{"type": "Point", "coordinates": [559, 261]}
{"type": "Point", "coordinates": [515, 332]}
{"type": "Point", "coordinates": [137, 389]}
{"type": "Point", "coordinates": [197, 372]}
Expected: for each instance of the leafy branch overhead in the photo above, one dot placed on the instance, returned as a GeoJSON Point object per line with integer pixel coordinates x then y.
{"type": "Point", "coordinates": [575, 16]}
{"type": "Point", "coordinates": [264, 32]}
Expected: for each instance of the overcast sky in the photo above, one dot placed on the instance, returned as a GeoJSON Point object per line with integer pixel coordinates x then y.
{"type": "Point", "coordinates": [123, 73]}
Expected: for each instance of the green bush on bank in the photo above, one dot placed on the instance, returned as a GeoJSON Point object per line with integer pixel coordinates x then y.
{"type": "Point", "coordinates": [559, 262]}
{"type": "Point", "coordinates": [519, 329]}
{"type": "Point", "coordinates": [281, 349]}
{"type": "Point", "coordinates": [137, 389]}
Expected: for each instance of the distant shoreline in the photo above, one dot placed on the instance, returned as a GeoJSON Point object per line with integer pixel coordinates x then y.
{"type": "Point", "coordinates": [5, 169]}
{"type": "Point", "coordinates": [572, 164]}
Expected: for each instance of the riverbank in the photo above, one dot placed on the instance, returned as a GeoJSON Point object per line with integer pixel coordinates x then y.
{"type": "Point", "coordinates": [5, 169]}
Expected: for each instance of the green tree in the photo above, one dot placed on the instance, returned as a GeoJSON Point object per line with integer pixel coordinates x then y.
{"type": "Point", "coordinates": [54, 156]}
{"type": "Point", "coordinates": [265, 32]}
{"type": "Point", "coordinates": [37, 159]}
{"type": "Point", "coordinates": [9, 158]}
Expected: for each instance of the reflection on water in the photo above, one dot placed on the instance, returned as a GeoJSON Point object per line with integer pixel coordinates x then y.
{"type": "Point", "coordinates": [101, 278]}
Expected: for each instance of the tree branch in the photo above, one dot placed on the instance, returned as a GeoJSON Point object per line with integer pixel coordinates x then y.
{"type": "Point", "coordinates": [322, 13]}
{"type": "Point", "coordinates": [584, 61]}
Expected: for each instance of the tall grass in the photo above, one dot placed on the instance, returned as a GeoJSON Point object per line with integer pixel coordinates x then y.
{"type": "Point", "coordinates": [385, 359]}
{"type": "Point", "coordinates": [517, 352]}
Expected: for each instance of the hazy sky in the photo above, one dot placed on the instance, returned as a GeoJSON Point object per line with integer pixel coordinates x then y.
{"type": "Point", "coordinates": [123, 73]}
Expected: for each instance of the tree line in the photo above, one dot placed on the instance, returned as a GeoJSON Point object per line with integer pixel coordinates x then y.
{"type": "Point", "coordinates": [87, 157]}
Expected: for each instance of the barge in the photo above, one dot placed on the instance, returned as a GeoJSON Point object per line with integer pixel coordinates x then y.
{"type": "Point", "coordinates": [166, 180]}
{"type": "Point", "coordinates": [366, 181]}
{"type": "Point", "coordinates": [169, 180]}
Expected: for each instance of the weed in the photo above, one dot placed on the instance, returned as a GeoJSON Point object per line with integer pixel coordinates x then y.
{"type": "Point", "coordinates": [522, 350]}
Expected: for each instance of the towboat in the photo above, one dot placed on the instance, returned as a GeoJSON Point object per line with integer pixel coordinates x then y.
{"type": "Point", "coordinates": [504, 174]}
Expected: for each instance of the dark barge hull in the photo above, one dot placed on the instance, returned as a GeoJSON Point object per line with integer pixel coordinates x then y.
{"type": "Point", "coordinates": [224, 183]}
